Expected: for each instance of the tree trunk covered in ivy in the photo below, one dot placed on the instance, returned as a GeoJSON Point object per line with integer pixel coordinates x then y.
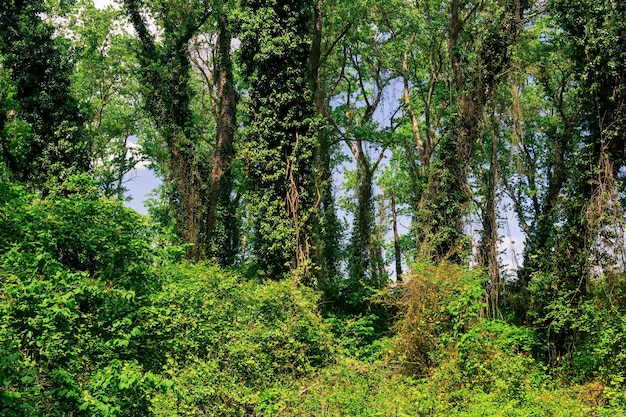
{"type": "Point", "coordinates": [222, 225]}
{"type": "Point", "coordinates": [275, 52]}
{"type": "Point", "coordinates": [165, 72]}
{"type": "Point", "coordinates": [541, 212]}
{"type": "Point", "coordinates": [598, 57]}
{"type": "Point", "coordinates": [488, 244]}
{"type": "Point", "coordinates": [361, 261]}
{"type": "Point", "coordinates": [586, 232]}
{"type": "Point", "coordinates": [327, 229]}
{"type": "Point", "coordinates": [447, 195]}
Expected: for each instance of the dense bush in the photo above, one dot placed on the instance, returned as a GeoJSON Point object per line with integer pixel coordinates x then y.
{"type": "Point", "coordinates": [222, 339]}
{"type": "Point", "coordinates": [80, 229]}
{"type": "Point", "coordinates": [354, 388]}
{"type": "Point", "coordinates": [74, 267]}
{"type": "Point", "coordinates": [95, 321]}
{"type": "Point", "coordinates": [437, 304]}
{"type": "Point", "coordinates": [465, 365]}
{"type": "Point", "coordinates": [583, 341]}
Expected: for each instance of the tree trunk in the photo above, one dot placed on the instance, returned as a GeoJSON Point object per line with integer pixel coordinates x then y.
{"type": "Point", "coordinates": [220, 187]}
{"type": "Point", "coordinates": [447, 195]}
{"type": "Point", "coordinates": [280, 134]}
{"type": "Point", "coordinates": [488, 248]}
{"type": "Point", "coordinates": [327, 230]}
{"type": "Point", "coordinates": [396, 238]}
{"type": "Point", "coordinates": [165, 72]}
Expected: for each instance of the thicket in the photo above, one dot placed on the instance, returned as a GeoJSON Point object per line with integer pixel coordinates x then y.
{"type": "Point", "coordinates": [101, 317]}
{"type": "Point", "coordinates": [98, 318]}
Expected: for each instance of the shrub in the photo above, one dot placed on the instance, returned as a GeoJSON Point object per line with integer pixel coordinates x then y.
{"type": "Point", "coordinates": [82, 230]}
{"type": "Point", "coordinates": [348, 388]}
{"type": "Point", "coordinates": [59, 330]}
{"type": "Point", "coordinates": [437, 303]}
{"type": "Point", "coordinates": [74, 268]}
{"type": "Point", "coordinates": [211, 328]}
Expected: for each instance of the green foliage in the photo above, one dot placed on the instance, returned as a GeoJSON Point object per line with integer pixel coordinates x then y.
{"type": "Point", "coordinates": [45, 138]}
{"type": "Point", "coordinates": [74, 267]}
{"type": "Point", "coordinates": [221, 340]}
{"type": "Point", "coordinates": [78, 228]}
{"type": "Point", "coordinates": [202, 388]}
{"type": "Point", "coordinates": [575, 235]}
{"type": "Point", "coordinates": [596, 325]}
{"type": "Point", "coordinates": [257, 331]}
{"type": "Point", "coordinates": [353, 388]}
{"type": "Point", "coordinates": [349, 388]}
{"type": "Point", "coordinates": [84, 315]}
{"type": "Point", "coordinates": [438, 304]}
{"type": "Point", "coordinates": [363, 338]}
{"type": "Point", "coordinates": [106, 79]}
{"type": "Point", "coordinates": [274, 52]}
{"type": "Point", "coordinates": [79, 337]}
{"type": "Point", "coordinates": [98, 317]}
{"type": "Point", "coordinates": [165, 75]}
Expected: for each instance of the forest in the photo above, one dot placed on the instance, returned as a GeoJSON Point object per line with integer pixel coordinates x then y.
{"type": "Point", "coordinates": [339, 184]}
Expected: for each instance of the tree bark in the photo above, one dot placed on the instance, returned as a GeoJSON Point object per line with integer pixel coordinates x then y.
{"type": "Point", "coordinates": [396, 238]}
{"type": "Point", "coordinates": [488, 248]}
{"type": "Point", "coordinates": [221, 182]}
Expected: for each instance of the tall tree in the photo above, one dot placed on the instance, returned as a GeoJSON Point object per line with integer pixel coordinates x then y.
{"type": "Point", "coordinates": [356, 86]}
{"type": "Point", "coordinates": [598, 51]}
{"type": "Point", "coordinates": [327, 229]}
{"type": "Point", "coordinates": [447, 196]}
{"type": "Point", "coordinates": [543, 136]}
{"type": "Point", "coordinates": [275, 51]}
{"type": "Point", "coordinates": [418, 34]}
{"type": "Point", "coordinates": [106, 82]}
{"type": "Point", "coordinates": [165, 73]}
{"type": "Point", "coordinates": [50, 143]}
{"type": "Point", "coordinates": [488, 176]}
{"type": "Point", "coordinates": [574, 150]}
{"type": "Point", "coordinates": [221, 207]}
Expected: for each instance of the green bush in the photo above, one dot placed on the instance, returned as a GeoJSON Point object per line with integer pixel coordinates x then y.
{"type": "Point", "coordinates": [584, 337]}
{"type": "Point", "coordinates": [353, 388]}
{"type": "Point", "coordinates": [203, 388]}
{"type": "Point", "coordinates": [96, 321]}
{"type": "Point", "coordinates": [359, 337]}
{"type": "Point", "coordinates": [74, 269]}
{"type": "Point", "coordinates": [348, 388]}
{"type": "Point", "coordinates": [437, 304]}
{"type": "Point", "coordinates": [247, 334]}
{"type": "Point", "coordinates": [59, 330]}
{"type": "Point", "coordinates": [82, 230]}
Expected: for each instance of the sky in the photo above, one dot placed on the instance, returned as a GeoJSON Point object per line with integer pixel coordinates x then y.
{"type": "Point", "coordinates": [102, 3]}
{"type": "Point", "coordinates": [139, 183]}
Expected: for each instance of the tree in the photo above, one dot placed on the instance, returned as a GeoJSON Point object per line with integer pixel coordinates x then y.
{"type": "Point", "coordinates": [165, 75]}
{"type": "Point", "coordinates": [542, 136]}
{"type": "Point", "coordinates": [223, 245]}
{"type": "Point", "coordinates": [446, 197]}
{"type": "Point", "coordinates": [597, 53]}
{"type": "Point", "coordinates": [582, 200]}
{"type": "Point", "coordinates": [327, 232]}
{"type": "Point", "coordinates": [215, 108]}
{"type": "Point", "coordinates": [106, 81]}
{"type": "Point", "coordinates": [43, 137]}
{"type": "Point", "coordinates": [275, 51]}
